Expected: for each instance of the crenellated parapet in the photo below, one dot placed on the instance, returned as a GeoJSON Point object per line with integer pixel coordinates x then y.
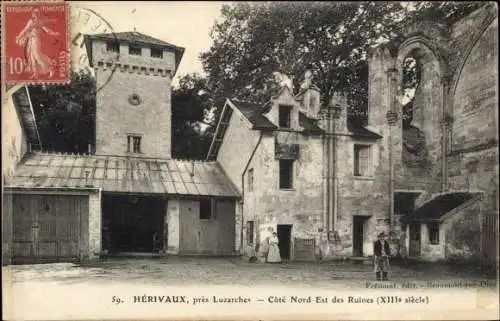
{"type": "Point", "coordinates": [133, 69]}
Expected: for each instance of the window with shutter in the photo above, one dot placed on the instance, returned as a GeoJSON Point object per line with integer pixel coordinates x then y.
{"type": "Point", "coordinates": [361, 160]}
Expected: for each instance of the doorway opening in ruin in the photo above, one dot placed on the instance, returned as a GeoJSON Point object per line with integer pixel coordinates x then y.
{"type": "Point", "coordinates": [358, 234]}
{"type": "Point", "coordinates": [284, 232]}
{"type": "Point", "coordinates": [414, 246]}
{"type": "Point", "coordinates": [133, 223]}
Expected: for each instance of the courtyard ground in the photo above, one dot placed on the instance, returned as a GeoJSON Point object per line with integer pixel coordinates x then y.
{"type": "Point", "coordinates": [123, 288]}
{"type": "Point", "coordinates": [235, 271]}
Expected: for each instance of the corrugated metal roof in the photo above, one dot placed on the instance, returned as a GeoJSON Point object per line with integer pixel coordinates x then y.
{"type": "Point", "coordinates": [123, 174]}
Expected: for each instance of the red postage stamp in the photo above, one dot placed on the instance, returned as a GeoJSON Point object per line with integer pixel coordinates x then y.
{"type": "Point", "coordinates": [36, 42]}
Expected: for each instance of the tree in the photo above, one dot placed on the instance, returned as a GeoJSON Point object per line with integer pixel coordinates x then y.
{"type": "Point", "coordinates": [253, 42]}
{"type": "Point", "coordinates": [65, 114]}
{"type": "Point", "coordinates": [191, 107]}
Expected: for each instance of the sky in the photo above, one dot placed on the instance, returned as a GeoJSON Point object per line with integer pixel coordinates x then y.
{"type": "Point", "coordinates": [184, 24]}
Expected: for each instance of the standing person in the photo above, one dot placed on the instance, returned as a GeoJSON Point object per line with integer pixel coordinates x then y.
{"type": "Point", "coordinates": [381, 251]}
{"type": "Point", "coordinates": [273, 256]}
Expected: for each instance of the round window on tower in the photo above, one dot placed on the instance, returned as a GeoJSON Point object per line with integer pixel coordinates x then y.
{"type": "Point", "coordinates": [134, 99]}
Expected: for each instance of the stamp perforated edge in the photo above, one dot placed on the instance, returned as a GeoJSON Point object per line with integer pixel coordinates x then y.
{"type": "Point", "coordinates": [4, 32]}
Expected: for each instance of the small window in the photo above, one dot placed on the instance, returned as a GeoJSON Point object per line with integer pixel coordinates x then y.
{"type": "Point", "coordinates": [361, 160]}
{"type": "Point", "coordinates": [286, 173]}
{"type": "Point", "coordinates": [285, 113]}
{"type": "Point", "coordinates": [134, 144]}
{"type": "Point", "coordinates": [250, 180]}
{"type": "Point", "coordinates": [206, 210]}
{"type": "Point", "coordinates": [112, 46]}
{"type": "Point", "coordinates": [156, 52]}
{"type": "Point", "coordinates": [134, 50]}
{"type": "Point", "coordinates": [250, 232]}
{"type": "Point", "coordinates": [433, 233]}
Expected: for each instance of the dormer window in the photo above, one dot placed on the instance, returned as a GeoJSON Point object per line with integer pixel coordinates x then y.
{"type": "Point", "coordinates": [156, 52]}
{"type": "Point", "coordinates": [134, 50]}
{"type": "Point", "coordinates": [285, 116]}
{"type": "Point", "coordinates": [112, 46]}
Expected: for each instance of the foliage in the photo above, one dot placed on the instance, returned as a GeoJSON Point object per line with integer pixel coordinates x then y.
{"type": "Point", "coordinates": [191, 104]}
{"type": "Point", "coordinates": [254, 41]}
{"type": "Point", "coordinates": [65, 114]}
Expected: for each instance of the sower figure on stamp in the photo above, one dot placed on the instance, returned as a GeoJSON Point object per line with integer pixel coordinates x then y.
{"type": "Point", "coordinates": [37, 61]}
{"type": "Point", "coordinates": [381, 252]}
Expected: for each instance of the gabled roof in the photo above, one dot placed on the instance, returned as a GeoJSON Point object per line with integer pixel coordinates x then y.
{"type": "Point", "coordinates": [123, 175]}
{"type": "Point", "coordinates": [133, 37]}
{"type": "Point", "coordinates": [254, 113]}
{"type": "Point", "coordinates": [24, 107]}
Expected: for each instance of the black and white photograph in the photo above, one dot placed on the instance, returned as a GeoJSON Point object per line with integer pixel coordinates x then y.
{"type": "Point", "coordinates": [250, 160]}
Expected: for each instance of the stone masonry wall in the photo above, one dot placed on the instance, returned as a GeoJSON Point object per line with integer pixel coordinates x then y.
{"type": "Point", "coordinates": [120, 77]}
{"type": "Point", "coordinates": [237, 147]}
{"type": "Point", "coordinates": [173, 222]}
{"type": "Point", "coordinates": [300, 206]}
{"type": "Point", "coordinates": [14, 143]}
{"type": "Point", "coordinates": [94, 225]}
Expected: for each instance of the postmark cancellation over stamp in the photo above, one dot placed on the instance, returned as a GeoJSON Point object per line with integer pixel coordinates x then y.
{"type": "Point", "coordinates": [35, 42]}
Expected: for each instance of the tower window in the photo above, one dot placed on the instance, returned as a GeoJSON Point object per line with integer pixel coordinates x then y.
{"type": "Point", "coordinates": [112, 46]}
{"type": "Point", "coordinates": [134, 50]}
{"type": "Point", "coordinates": [286, 173]}
{"type": "Point", "coordinates": [285, 113]}
{"type": "Point", "coordinates": [156, 52]}
{"type": "Point", "coordinates": [133, 144]}
{"type": "Point", "coordinates": [361, 160]}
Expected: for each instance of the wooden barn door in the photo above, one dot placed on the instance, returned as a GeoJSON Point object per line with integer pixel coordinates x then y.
{"type": "Point", "coordinates": [47, 228]}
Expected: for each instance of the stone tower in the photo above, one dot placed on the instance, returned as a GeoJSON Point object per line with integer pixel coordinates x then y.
{"type": "Point", "coordinates": [133, 101]}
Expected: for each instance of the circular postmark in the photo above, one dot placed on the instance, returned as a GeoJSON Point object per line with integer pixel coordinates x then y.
{"type": "Point", "coordinates": [86, 22]}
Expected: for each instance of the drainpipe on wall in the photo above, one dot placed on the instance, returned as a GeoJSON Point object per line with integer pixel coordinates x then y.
{"type": "Point", "coordinates": [444, 148]}
{"type": "Point", "coordinates": [331, 168]}
{"type": "Point", "coordinates": [325, 171]}
{"type": "Point", "coordinates": [243, 188]}
{"type": "Point", "coordinates": [392, 118]}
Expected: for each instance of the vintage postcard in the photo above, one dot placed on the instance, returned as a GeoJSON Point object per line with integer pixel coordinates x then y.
{"type": "Point", "coordinates": [249, 161]}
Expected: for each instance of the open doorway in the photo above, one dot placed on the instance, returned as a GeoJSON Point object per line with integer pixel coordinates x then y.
{"type": "Point", "coordinates": [414, 250]}
{"type": "Point", "coordinates": [133, 223]}
{"type": "Point", "coordinates": [358, 235]}
{"type": "Point", "coordinates": [284, 232]}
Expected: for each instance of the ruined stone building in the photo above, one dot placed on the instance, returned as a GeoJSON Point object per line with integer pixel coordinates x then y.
{"type": "Point", "coordinates": [423, 169]}
{"type": "Point", "coordinates": [128, 195]}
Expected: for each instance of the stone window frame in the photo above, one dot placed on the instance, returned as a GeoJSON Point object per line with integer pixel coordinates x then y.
{"type": "Point", "coordinates": [112, 46]}
{"type": "Point", "coordinates": [369, 166]}
{"type": "Point", "coordinates": [251, 179]}
{"type": "Point", "coordinates": [156, 53]}
{"type": "Point", "coordinates": [250, 232]}
{"type": "Point", "coordinates": [433, 230]}
{"type": "Point", "coordinates": [291, 176]}
{"type": "Point", "coordinates": [134, 50]}
{"type": "Point", "coordinates": [132, 140]}
{"type": "Point", "coordinates": [289, 108]}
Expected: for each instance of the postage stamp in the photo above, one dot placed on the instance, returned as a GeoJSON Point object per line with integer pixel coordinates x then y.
{"type": "Point", "coordinates": [35, 42]}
